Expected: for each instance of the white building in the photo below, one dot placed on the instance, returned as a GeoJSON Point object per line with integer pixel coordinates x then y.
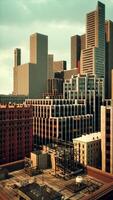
{"type": "Point", "coordinates": [88, 149]}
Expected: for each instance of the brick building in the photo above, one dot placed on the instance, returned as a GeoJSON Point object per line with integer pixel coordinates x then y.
{"type": "Point", "coordinates": [16, 129]}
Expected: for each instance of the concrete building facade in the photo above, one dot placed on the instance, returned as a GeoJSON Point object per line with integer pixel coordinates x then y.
{"type": "Point", "coordinates": [88, 149]}
{"type": "Point", "coordinates": [55, 66]}
{"type": "Point", "coordinates": [112, 84]}
{"type": "Point", "coordinates": [50, 66]}
{"type": "Point", "coordinates": [93, 56]}
{"type": "Point", "coordinates": [59, 120]}
{"type": "Point", "coordinates": [89, 89]}
{"type": "Point", "coordinates": [59, 66]}
{"type": "Point", "coordinates": [109, 57]}
{"type": "Point", "coordinates": [28, 76]}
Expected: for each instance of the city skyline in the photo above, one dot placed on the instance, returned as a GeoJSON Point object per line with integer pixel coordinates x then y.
{"type": "Point", "coordinates": [59, 27]}
{"type": "Point", "coordinates": [56, 125]}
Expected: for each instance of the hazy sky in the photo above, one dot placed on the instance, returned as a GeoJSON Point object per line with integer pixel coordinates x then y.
{"type": "Point", "coordinates": [59, 19]}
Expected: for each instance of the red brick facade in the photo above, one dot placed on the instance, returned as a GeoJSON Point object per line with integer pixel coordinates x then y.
{"type": "Point", "coordinates": [16, 132]}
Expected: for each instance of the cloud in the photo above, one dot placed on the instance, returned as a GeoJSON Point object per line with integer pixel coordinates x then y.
{"type": "Point", "coordinates": [23, 11]}
{"type": "Point", "coordinates": [59, 19]}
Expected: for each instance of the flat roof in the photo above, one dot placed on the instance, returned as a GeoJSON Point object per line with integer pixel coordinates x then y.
{"type": "Point", "coordinates": [88, 138]}
{"type": "Point", "coordinates": [36, 192]}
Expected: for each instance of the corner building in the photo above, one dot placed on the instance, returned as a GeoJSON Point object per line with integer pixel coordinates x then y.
{"type": "Point", "coordinates": [88, 149]}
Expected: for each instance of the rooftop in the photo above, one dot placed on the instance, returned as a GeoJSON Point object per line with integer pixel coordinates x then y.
{"type": "Point", "coordinates": [36, 192]}
{"type": "Point", "coordinates": [88, 138]}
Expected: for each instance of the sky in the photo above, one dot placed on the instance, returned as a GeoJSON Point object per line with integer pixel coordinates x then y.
{"type": "Point", "coordinates": [59, 19]}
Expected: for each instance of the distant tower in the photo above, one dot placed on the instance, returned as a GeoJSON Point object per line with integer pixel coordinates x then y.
{"type": "Point", "coordinates": [112, 84]}
{"type": "Point", "coordinates": [30, 79]}
{"type": "Point", "coordinates": [93, 56]}
{"type": "Point", "coordinates": [17, 57]}
{"type": "Point", "coordinates": [109, 57]}
{"type": "Point", "coordinates": [75, 51]}
{"type": "Point", "coordinates": [50, 66]}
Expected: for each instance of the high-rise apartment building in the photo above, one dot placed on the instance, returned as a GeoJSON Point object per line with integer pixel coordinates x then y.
{"type": "Point", "coordinates": [88, 88]}
{"type": "Point", "coordinates": [59, 120]}
{"type": "Point", "coordinates": [87, 149]}
{"type": "Point", "coordinates": [109, 57]}
{"type": "Point", "coordinates": [16, 132]}
{"type": "Point", "coordinates": [93, 56]}
{"type": "Point", "coordinates": [28, 77]}
{"type": "Point", "coordinates": [107, 137]}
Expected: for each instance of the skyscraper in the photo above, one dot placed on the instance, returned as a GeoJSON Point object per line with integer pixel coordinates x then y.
{"type": "Point", "coordinates": [77, 44]}
{"type": "Point", "coordinates": [112, 84]}
{"type": "Point", "coordinates": [109, 57]}
{"type": "Point", "coordinates": [75, 51]}
{"type": "Point", "coordinates": [93, 56]}
{"type": "Point", "coordinates": [28, 77]}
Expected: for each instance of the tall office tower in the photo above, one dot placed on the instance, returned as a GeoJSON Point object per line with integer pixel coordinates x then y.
{"type": "Point", "coordinates": [16, 132]}
{"type": "Point", "coordinates": [75, 51]}
{"type": "Point", "coordinates": [88, 88]}
{"type": "Point", "coordinates": [59, 120]}
{"type": "Point", "coordinates": [107, 137]}
{"type": "Point", "coordinates": [109, 57]}
{"type": "Point", "coordinates": [112, 84]}
{"type": "Point", "coordinates": [50, 66]}
{"type": "Point", "coordinates": [93, 56]}
{"type": "Point", "coordinates": [28, 77]}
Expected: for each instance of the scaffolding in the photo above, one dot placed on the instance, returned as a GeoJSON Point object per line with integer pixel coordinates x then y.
{"type": "Point", "coordinates": [66, 159]}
